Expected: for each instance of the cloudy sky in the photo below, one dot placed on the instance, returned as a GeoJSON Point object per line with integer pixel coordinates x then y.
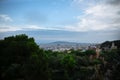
{"type": "Point", "coordinates": [61, 20]}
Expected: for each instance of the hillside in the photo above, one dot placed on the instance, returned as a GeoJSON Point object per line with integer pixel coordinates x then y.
{"type": "Point", "coordinates": [109, 44]}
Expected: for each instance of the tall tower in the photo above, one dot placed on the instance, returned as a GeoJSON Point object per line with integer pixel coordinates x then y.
{"type": "Point", "coordinates": [113, 46]}
{"type": "Point", "coordinates": [97, 52]}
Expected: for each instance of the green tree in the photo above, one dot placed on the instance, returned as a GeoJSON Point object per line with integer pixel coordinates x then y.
{"type": "Point", "coordinates": [90, 52]}
{"type": "Point", "coordinates": [17, 52]}
{"type": "Point", "coordinates": [68, 62]}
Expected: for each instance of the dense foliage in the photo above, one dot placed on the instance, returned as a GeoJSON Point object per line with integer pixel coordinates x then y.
{"type": "Point", "coordinates": [22, 59]}
{"type": "Point", "coordinates": [109, 43]}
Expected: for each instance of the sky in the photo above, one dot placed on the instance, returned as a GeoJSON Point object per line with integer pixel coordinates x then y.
{"type": "Point", "coordinates": [88, 21]}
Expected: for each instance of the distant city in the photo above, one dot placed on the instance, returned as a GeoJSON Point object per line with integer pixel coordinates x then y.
{"type": "Point", "coordinates": [66, 46]}
{"type": "Point", "coordinates": [63, 45]}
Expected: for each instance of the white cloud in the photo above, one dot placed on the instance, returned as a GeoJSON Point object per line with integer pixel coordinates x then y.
{"type": "Point", "coordinates": [6, 28]}
{"type": "Point", "coordinates": [9, 28]}
{"type": "Point", "coordinates": [36, 27]}
{"type": "Point", "coordinates": [5, 18]}
{"type": "Point", "coordinates": [103, 11]}
{"type": "Point", "coordinates": [97, 17]}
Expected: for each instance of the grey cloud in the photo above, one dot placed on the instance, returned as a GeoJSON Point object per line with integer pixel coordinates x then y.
{"type": "Point", "coordinates": [116, 6]}
{"type": "Point", "coordinates": [113, 2]}
{"type": "Point", "coordinates": [117, 21]}
{"type": "Point", "coordinates": [118, 12]}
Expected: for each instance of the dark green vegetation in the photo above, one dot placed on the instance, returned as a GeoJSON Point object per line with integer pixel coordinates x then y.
{"type": "Point", "coordinates": [109, 43]}
{"type": "Point", "coordinates": [21, 59]}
